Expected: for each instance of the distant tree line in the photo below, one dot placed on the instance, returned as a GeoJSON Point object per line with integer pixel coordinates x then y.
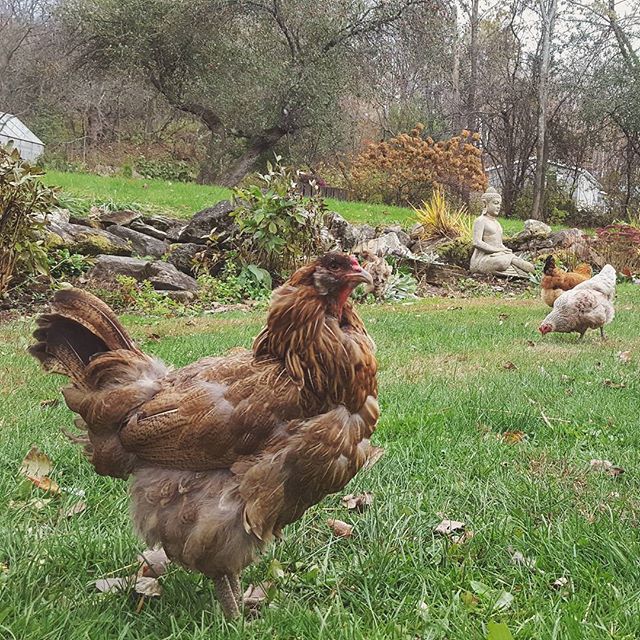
{"type": "Point", "coordinates": [223, 84]}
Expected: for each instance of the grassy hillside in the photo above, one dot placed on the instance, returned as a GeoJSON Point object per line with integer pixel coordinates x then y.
{"type": "Point", "coordinates": [185, 199]}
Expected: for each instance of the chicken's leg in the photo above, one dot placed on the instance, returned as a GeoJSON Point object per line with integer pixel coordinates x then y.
{"type": "Point", "coordinates": [226, 597]}
{"type": "Point", "coordinates": [602, 334]}
{"type": "Point", "coordinates": [236, 588]}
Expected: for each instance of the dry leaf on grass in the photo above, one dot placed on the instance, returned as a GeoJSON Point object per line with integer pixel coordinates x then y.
{"type": "Point", "coordinates": [340, 528]}
{"type": "Point", "coordinates": [375, 453]}
{"type": "Point", "coordinates": [36, 464]}
{"type": "Point", "coordinates": [109, 585]}
{"type": "Point", "coordinates": [605, 466]}
{"type": "Point", "coordinates": [148, 586]}
{"type": "Point", "coordinates": [359, 502]}
{"type": "Point", "coordinates": [46, 484]}
{"type": "Point", "coordinates": [461, 539]}
{"type": "Point", "coordinates": [74, 509]}
{"type": "Point", "coordinates": [531, 343]}
{"type": "Point", "coordinates": [154, 563]}
{"type": "Point", "coordinates": [624, 356]}
{"type": "Point", "coordinates": [255, 595]}
{"type": "Point", "coordinates": [614, 385]}
{"type": "Point", "coordinates": [53, 402]}
{"type": "Point", "coordinates": [509, 366]}
{"type": "Point", "coordinates": [512, 437]}
{"type": "Point", "coordinates": [521, 560]}
{"type": "Point", "coordinates": [559, 583]}
{"type": "Point", "coordinates": [449, 527]}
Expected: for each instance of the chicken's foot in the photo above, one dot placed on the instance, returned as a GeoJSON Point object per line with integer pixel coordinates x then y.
{"type": "Point", "coordinates": [226, 597]}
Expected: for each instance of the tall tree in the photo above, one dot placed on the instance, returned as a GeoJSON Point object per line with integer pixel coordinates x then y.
{"type": "Point", "coordinates": [548, 12]}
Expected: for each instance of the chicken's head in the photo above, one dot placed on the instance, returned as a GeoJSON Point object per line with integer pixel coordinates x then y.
{"type": "Point", "coordinates": [336, 275]}
{"type": "Point", "coordinates": [545, 327]}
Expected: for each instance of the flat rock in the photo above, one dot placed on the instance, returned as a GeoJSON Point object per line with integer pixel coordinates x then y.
{"type": "Point", "coordinates": [344, 233]}
{"type": "Point", "coordinates": [86, 240]}
{"type": "Point", "coordinates": [387, 245]}
{"type": "Point", "coordinates": [164, 276]}
{"type": "Point", "coordinates": [143, 245]}
{"type": "Point", "coordinates": [122, 217]}
{"type": "Point", "coordinates": [170, 227]}
{"type": "Point", "coordinates": [211, 221]}
{"type": "Point", "coordinates": [106, 268]}
{"type": "Point", "coordinates": [148, 230]}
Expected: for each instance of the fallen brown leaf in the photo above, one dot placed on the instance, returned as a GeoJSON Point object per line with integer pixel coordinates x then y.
{"type": "Point", "coordinates": [521, 560]}
{"type": "Point", "coordinates": [375, 453]}
{"type": "Point", "coordinates": [465, 537]}
{"type": "Point", "coordinates": [605, 466]}
{"type": "Point", "coordinates": [109, 585]}
{"type": "Point", "coordinates": [614, 385]}
{"type": "Point", "coordinates": [148, 586]}
{"type": "Point", "coordinates": [153, 337]}
{"type": "Point", "coordinates": [53, 402]}
{"type": "Point", "coordinates": [255, 595]}
{"type": "Point", "coordinates": [154, 563]}
{"type": "Point", "coordinates": [624, 356]}
{"type": "Point", "coordinates": [531, 343]}
{"type": "Point", "coordinates": [74, 509]}
{"type": "Point", "coordinates": [46, 484]}
{"type": "Point", "coordinates": [448, 527]}
{"type": "Point", "coordinates": [340, 528]}
{"type": "Point", "coordinates": [509, 366]}
{"type": "Point", "coordinates": [512, 437]}
{"type": "Point", "coordinates": [36, 464]}
{"type": "Point", "coordinates": [359, 502]}
{"type": "Point", "coordinates": [559, 583]}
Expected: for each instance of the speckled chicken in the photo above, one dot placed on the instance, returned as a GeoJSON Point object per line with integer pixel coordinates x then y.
{"type": "Point", "coordinates": [589, 305]}
{"type": "Point", "coordinates": [225, 452]}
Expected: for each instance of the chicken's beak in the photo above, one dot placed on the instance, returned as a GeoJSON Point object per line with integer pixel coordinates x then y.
{"type": "Point", "coordinates": [358, 275]}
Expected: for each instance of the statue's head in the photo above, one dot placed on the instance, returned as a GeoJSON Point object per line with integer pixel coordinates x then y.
{"type": "Point", "coordinates": [491, 200]}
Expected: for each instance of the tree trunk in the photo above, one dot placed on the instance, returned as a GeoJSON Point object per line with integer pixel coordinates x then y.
{"type": "Point", "coordinates": [456, 118]}
{"type": "Point", "coordinates": [472, 117]}
{"type": "Point", "coordinates": [256, 146]}
{"type": "Point", "coordinates": [548, 15]}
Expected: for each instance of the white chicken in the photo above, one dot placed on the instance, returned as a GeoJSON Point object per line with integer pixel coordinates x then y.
{"type": "Point", "coordinates": [589, 305]}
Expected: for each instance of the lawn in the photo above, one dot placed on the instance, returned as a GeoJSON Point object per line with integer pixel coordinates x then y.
{"type": "Point", "coordinates": [184, 199]}
{"type": "Point", "coordinates": [454, 376]}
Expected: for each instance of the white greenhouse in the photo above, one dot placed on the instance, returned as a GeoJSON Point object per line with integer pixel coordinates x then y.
{"type": "Point", "coordinates": [15, 131]}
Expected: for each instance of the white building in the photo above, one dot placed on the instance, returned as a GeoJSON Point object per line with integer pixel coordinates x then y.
{"type": "Point", "coordinates": [15, 131]}
{"type": "Point", "coordinates": [583, 187]}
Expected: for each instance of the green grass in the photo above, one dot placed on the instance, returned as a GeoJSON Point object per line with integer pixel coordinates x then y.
{"type": "Point", "coordinates": [446, 397]}
{"type": "Point", "coordinates": [184, 199]}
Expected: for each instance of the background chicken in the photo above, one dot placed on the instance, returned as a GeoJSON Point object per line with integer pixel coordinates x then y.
{"type": "Point", "coordinates": [228, 450]}
{"type": "Point", "coordinates": [556, 281]}
{"type": "Point", "coordinates": [589, 305]}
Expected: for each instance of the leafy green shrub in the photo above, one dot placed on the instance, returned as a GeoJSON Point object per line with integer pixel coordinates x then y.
{"type": "Point", "coordinates": [235, 284]}
{"type": "Point", "coordinates": [24, 202]}
{"type": "Point", "coordinates": [63, 264]}
{"type": "Point", "coordinates": [278, 228]}
{"type": "Point", "coordinates": [172, 170]}
{"type": "Point", "coordinates": [129, 294]}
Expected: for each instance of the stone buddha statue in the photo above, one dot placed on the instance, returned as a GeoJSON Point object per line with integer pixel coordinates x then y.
{"type": "Point", "coordinates": [489, 254]}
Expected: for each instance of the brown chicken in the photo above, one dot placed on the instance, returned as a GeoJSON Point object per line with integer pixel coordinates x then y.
{"type": "Point", "coordinates": [225, 452]}
{"type": "Point", "coordinates": [556, 281]}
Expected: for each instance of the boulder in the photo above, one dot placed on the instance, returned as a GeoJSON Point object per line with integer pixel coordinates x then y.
{"type": "Point", "coordinates": [212, 221]}
{"type": "Point", "coordinates": [171, 228]}
{"type": "Point", "coordinates": [106, 268]}
{"type": "Point", "coordinates": [344, 233]}
{"type": "Point", "coordinates": [148, 230]}
{"type": "Point", "coordinates": [388, 244]}
{"type": "Point", "coordinates": [142, 244]}
{"type": "Point", "coordinates": [572, 240]}
{"type": "Point", "coordinates": [123, 217]}
{"type": "Point", "coordinates": [537, 228]}
{"type": "Point", "coordinates": [364, 232]}
{"type": "Point", "coordinates": [403, 236]}
{"type": "Point", "coordinates": [181, 256]}
{"type": "Point", "coordinates": [86, 240]}
{"type": "Point", "coordinates": [164, 276]}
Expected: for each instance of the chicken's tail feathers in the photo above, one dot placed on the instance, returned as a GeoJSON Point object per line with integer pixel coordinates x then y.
{"type": "Point", "coordinates": [79, 327]}
{"type": "Point", "coordinates": [549, 265]}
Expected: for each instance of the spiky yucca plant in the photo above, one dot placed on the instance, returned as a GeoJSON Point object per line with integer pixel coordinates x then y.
{"type": "Point", "coordinates": [439, 219]}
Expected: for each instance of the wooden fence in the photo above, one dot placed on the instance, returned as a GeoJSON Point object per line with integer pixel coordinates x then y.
{"type": "Point", "coordinates": [326, 192]}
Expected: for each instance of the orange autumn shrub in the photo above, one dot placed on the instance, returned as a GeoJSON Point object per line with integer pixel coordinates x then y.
{"type": "Point", "coordinates": [405, 169]}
